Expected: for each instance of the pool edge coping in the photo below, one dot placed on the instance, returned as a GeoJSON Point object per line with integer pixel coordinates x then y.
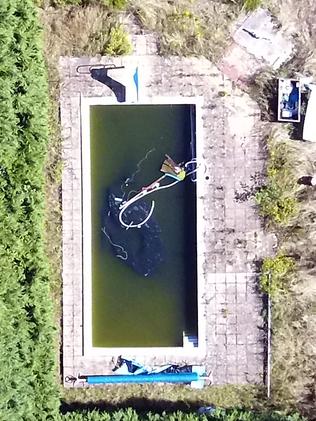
{"type": "Point", "coordinates": [88, 349]}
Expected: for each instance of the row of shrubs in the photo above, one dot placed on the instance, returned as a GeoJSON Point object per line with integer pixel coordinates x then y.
{"type": "Point", "coordinates": [218, 415]}
{"type": "Point", "coordinates": [277, 199]}
{"type": "Point", "coordinates": [116, 4]}
{"type": "Point", "coordinates": [278, 203]}
{"type": "Point", "coordinates": [28, 387]}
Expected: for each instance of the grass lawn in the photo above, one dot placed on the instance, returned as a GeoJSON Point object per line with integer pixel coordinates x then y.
{"type": "Point", "coordinates": [158, 398]}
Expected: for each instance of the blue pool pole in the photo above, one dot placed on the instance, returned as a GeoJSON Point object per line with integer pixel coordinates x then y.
{"type": "Point", "coordinates": [135, 77]}
{"type": "Point", "coordinates": [145, 378]}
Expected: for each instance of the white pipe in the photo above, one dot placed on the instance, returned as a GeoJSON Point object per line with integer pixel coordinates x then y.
{"type": "Point", "coordinates": [139, 196]}
{"type": "Point", "coordinates": [168, 185]}
{"type": "Point", "coordinates": [131, 225]}
{"type": "Point", "coordinates": [193, 161]}
{"type": "Point", "coordinates": [269, 346]}
{"type": "Point", "coordinates": [145, 192]}
{"type": "Point", "coordinates": [191, 172]}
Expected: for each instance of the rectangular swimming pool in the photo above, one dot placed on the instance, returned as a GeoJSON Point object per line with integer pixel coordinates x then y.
{"type": "Point", "coordinates": [140, 285]}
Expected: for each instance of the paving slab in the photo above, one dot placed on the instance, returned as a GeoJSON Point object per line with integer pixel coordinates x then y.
{"type": "Point", "coordinates": [259, 42]}
{"type": "Point", "coordinates": [262, 37]}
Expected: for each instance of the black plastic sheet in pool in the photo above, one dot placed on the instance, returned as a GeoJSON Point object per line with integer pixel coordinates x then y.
{"type": "Point", "coordinates": [139, 248]}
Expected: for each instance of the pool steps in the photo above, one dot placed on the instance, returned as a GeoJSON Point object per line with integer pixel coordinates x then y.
{"type": "Point", "coordinates": [190, 341]}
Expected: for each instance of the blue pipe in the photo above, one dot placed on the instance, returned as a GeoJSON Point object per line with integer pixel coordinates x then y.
{"type": "Point", "coordinates": [144, 378]}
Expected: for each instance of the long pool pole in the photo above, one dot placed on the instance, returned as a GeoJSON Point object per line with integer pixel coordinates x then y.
{"type": "Point", "coordinates": [144, 378]}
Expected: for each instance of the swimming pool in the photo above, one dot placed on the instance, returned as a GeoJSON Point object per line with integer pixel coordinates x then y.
{"type": "Point", "coordinates": [126, 307]}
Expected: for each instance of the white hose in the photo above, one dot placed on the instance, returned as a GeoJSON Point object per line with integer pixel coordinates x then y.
{"type": "Point", "coordinates": [131, 225]}
{"type": "Point", "coordinates": [168, 185]}
{"type": "Point", "coordinates": [144, 193]}
{"type": "Point", "coordinates": [141, 194]}
{"type": "Point", "coordinates": [137, 197]}
{"type": "Point", "coordinates": [191, 172]}
{"type": "Point", "coordinates": [193, 161]}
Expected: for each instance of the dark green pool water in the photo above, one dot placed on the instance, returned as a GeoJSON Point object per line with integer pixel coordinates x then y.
{"type": "Point", "coordinates": [130, 310]}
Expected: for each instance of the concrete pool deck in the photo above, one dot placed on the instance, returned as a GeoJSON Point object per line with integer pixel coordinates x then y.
{"type": "Point", "coordinates": [233, 241]}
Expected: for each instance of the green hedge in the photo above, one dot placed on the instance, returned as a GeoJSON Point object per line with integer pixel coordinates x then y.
{"type": "Point", "coordinates": [27, 340]}
{"type": "Point", "coordinates": [219, 415]}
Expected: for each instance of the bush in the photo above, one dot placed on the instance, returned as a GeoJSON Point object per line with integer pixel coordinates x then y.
{"type": "Point", "coordinates": [113, 41]}
{"type": "Point", "coordinates": [188, 28]}
{"type": "Point", "coordinates": [275, 205]}
{"type": "Point", "coordinates": [277, 199]}
{"type": "Point", "coordinates": [27, 341]}
{"type": "Point", "coordinates": [251, 5]}
{"type": "Point", "coordinates": [66, 2]}
{"type": "Point", "coordinates": [118, 42]}
{"type": "Point", "coordinates": [248, 5]}
{"type": "Point", "coordinates": [218, 415]}
{"type": "Point", "coordinates": [115, 4]}
{"type": "Point", "coordinates": [186, 36]}
{"type": "Point", "coordinates": [276, 272]}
